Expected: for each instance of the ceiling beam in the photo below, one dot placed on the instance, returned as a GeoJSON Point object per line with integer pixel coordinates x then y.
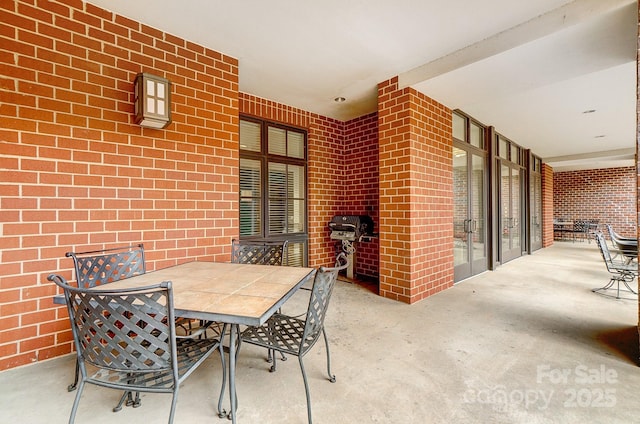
{"type": "Point", "coordinates": [629, 153]}
{"type": "Point", "coordinates": [570, 14]}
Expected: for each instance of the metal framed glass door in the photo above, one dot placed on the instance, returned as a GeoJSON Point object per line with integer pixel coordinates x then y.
{"type": "Point", "coordinates": [535, 217]}
{"type": "Point", "coordinates": [511, 196]}
{"type": "Point", "coordinates": [470, 212]}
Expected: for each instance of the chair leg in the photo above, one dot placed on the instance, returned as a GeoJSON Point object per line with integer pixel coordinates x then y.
{"type": "Point", "coordinates": [128, 400]}
{"type": "Point", "coordinates": [617, 280]}
{"type": "Point", "coordinates": [76, 402]}
{"type": "Point", "coordinates": [123, 398]}
{"type": "Point", "coordinates": [332, 378]}
{"type": "Point", "coordinates": [174, 400]}
{"type": "Point", "coordinates": [271, 355]}
{"type": "Point", "coordinates": [133, 401]}
{"type": "Point", "coordinates": [72, 387]}
{"type": "Point", "coordinates": [306, 389]}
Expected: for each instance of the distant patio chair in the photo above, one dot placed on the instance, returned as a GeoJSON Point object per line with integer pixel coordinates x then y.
{"type": "Point", "coordinates": [580, 229]}
{"type": "Point", "coordinates": [128, 337]}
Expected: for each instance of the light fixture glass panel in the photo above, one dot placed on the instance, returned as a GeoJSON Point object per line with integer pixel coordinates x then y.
{"type": "Point", "coordinates": [151, 105]}
{"type": "Point", "coordinates": [160, 90]}
{"type": "Point", "coordinates": [160, 105]}
{"type": "Point", "coordinates": [151, 88]}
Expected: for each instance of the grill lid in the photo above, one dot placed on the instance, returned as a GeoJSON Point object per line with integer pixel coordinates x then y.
{"type": "Point", "coordinates": [359, 224]}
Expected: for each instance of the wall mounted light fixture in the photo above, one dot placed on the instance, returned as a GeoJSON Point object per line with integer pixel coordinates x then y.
{"type": "Point", "coordinates": [152, 101]}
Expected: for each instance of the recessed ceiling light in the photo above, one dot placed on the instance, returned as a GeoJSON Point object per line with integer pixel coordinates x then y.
{"type": "Point", "coordinates": [589, 111]}
{"type": "Point", "coordinates": [339, 100]}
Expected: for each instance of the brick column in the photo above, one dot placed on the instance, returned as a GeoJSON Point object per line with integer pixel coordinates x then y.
{"type": "Point", "coordinates": [416, 198]}
{"type": "Point", "coordinates": [547, 205]}
{"type": "Point", "coordinates": [638, 139]}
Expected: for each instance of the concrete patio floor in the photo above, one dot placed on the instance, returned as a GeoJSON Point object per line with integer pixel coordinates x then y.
{"type": "Point", "coordinates": [528, 343]}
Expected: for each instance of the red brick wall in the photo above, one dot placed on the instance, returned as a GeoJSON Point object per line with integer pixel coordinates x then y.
{"type": "Point", "coordinates": [547, 205]}
{"type": "Point", "coordinates": [76, 172]}
{"type": "Point", "coordinates": [416, 200]}
{"type": "Point", "coordinates": [360, 192]}
{"type": "Point", "coordinates": [607, 195]}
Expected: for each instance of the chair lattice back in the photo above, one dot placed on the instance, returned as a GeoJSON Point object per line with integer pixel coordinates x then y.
{"type": "Point", "coordinates": [323, 283]}
{"type": "Point", "coordinates": [129, 331]}
{"type": "Point", "coordinates": [258, 252]}
{"type": "Point", "coordinates": [129, 335]}
{"type": "Point", "coordinates": [628, 246]}
{"type": "Point", "coordinates": [604, 250]}
{"type": "Point", "coordinates": [105, 266]}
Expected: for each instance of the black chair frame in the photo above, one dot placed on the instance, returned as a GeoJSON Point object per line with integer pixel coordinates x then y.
{"type": "Point", "coordinates": [129, 337]}
{"type": "Point", "coordinates": [259, 252]}
{"type": "Point", "coordinates": [98, 267]}
{"type": "Point", "coordinates": [621, 270]}
{"type": "Point", "coordinates": [294, 336]}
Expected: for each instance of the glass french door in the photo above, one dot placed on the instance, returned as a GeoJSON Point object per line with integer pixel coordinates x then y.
{"type": "Point", "coordinates": [535, 217]}
{"type": "Point", "coordinates": [511, 197]}
{"type": "Point", "coordinates": [470, 213]}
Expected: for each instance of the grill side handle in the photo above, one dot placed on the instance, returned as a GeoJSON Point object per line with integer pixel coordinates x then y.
{"type": "Point", "coordinates": [341, 225]}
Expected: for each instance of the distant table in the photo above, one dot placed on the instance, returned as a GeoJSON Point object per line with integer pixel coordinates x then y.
{"type": "Point", "coordinates": [235, 294]}
{"type": "Point", "coordinates": [562, 227]}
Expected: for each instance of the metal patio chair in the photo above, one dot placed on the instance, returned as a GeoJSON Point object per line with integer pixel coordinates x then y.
{"type": "Point", "coordinates": [255, 252]}
{"type": "Point", "coordinates": [258, 252]}
{"type": "Point", "coordinates": [580, 229]}
{"type": "Point", "coordinates": [621, 270]}
{"type": "Point", "coordinates": [296, 336]}
{"type": "Point", "coordinates": [127, 338]}
{"type": "Point", "coordinates": [98, 267]}
{"type": "Point", "coordinates": [627, 245]}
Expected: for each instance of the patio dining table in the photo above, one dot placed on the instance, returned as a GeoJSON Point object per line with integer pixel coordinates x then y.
{"type": "Point", "coordinates": [231, 293]}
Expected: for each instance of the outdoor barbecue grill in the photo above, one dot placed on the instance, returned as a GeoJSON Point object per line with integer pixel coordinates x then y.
{"type": "Point", "coordinates": [350, 229]}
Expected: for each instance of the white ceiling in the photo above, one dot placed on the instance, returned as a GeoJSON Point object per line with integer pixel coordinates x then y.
{"type": "Point", "coordinates": [528, 68]}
